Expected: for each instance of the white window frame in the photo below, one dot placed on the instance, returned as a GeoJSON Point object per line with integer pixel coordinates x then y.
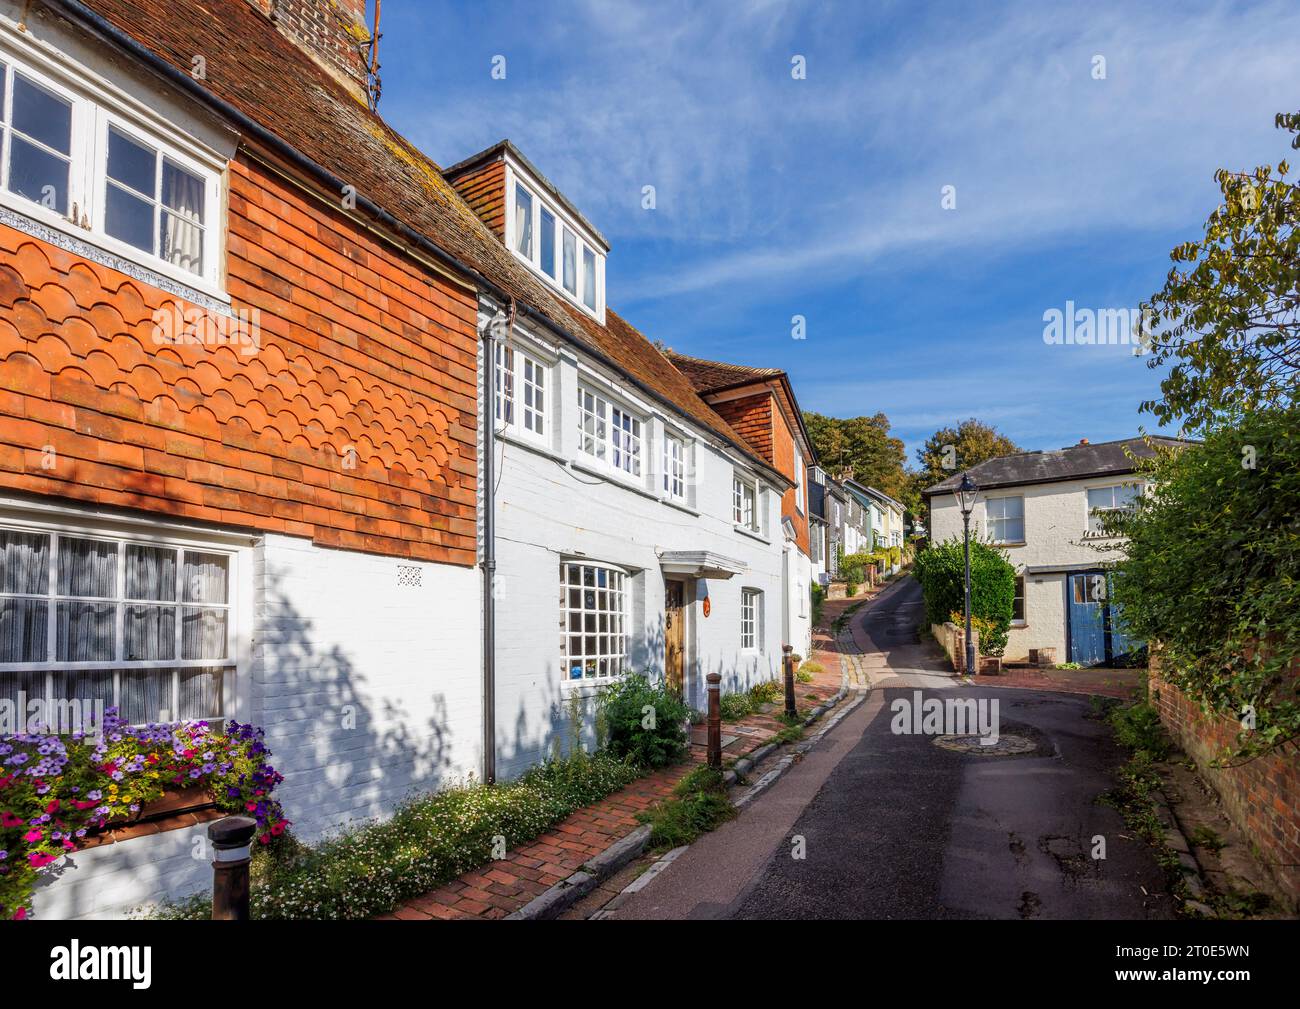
{"type": "Point", "coordinates": [1094, 526]}
{"type": "Point", "coordinates": [616, 432]}
{"type": "Point", "coordinates": [674, 467]}
{"type": "Point", "coordinates": [94, 107]}
{"type": "Point", "coordinates": [996, 522]}
{"type": "Point", "coordinates": [798, 483]}
{"type": "Point", "coordinates": [751, 620]}
{"type": "Point", "coordinates": [609, 658]}
{"type": "Point", "coordinates": [518, 375]}
{"type": "Point", "coordinates": [739, 499]}
{"type": "Point", "coordinates": [584, 243]}
{"type": "Point", "coordinates": [123, 535]}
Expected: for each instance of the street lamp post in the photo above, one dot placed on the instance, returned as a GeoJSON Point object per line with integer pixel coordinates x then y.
{"type": "Point", "coordinates": [966, 494]}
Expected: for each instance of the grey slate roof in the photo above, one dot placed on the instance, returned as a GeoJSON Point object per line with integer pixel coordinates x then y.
{"type": "Point", "coordinates": [1072, 463]}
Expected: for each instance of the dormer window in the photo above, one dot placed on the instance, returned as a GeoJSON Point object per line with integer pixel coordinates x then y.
{"type": "Point", "coordinates": [548, 235]}
{"type": "Point", "coordinates": [524, 222]}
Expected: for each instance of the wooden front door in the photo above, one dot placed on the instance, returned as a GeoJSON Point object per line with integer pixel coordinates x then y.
{"type": "Point", "coordinates": [674, 636]}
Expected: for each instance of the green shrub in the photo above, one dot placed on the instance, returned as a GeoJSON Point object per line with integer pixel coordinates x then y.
{"type": "Point", "coordinates": [803, 676]}
{"type": "Point", "coordinates": [1137, 727]}
{"type": "Point", "coordinates": [818, 598]}
{"type": "Point", "coordinates": [645, 721]}
{"type": "Point", "coordinates": [735, 706]}
{"type": "Point", "coordinates": [765, 692]}
{"type": "Point", "coordinates": [372, 868]}
{"type": "Point", "coordinates": [1212, 572]}
{"type": "Point", "coordinates": [941, 572]}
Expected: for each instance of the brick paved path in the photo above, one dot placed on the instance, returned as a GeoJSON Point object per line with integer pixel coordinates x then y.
{"type": "Point", "coordinates": [1107, 682]}
{"type": "Point", "coordinates": [497, 889]}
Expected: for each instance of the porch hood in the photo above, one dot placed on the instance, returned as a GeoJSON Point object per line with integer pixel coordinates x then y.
{"type": "Point", "coordinates": [699, 564]}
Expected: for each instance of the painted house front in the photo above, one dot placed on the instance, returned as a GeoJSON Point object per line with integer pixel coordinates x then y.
{"type": "Point", "coordinates": [760, 404]}
{"type": "Point", "coordinates": [636, 530]}
{"type": "Point", "coordinates": [1042, 508]}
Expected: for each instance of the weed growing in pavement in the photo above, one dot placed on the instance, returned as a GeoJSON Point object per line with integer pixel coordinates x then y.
{"type": "Point", "coordinates": [698, 805]}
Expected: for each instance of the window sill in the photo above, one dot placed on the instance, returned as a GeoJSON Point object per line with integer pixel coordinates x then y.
{"type": "Point", "coordinates": [586, 688]}
{"type": "Point", "coordinates": [531, 442]}
{"type": "Point", "coordinates": [618, 477]}
{"type": "Point", "coordinates": [49, 227]}
{"type": "Point", "coordinates": [751, 533]}
{"type": "Point", "coordinates": [1009, 543]}
{"type": "Point", "coordinates": [680, 506]}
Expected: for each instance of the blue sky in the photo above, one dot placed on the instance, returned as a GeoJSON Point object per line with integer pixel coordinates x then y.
{"type": "Point", "coordinates": [822, 197]}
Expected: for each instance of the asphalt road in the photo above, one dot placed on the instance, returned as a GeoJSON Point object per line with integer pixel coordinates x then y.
{"type": "Point", "coordinates": [875, 824]}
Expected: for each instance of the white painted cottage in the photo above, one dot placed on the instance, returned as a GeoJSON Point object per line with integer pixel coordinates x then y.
{"type": "Point", "coordinates": [634, 529]}
{"type": "Point", "coordinates": [1042, 508]}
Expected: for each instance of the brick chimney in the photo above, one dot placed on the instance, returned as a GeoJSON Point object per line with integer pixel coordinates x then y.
{"type": "Point", "coordinates": [334, 33]}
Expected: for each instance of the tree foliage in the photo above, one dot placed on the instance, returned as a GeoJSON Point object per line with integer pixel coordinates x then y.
{"type": "Point", "coordinates": [941, 570]}
{"type": "Point", "coordinates": [1212, 572]}
{"type": "Point", "coordinates": [952, 449]}
{"type": "Point", "coordinates": [1226, 320]}
{"type": "Point", "coordinates": [861, 448]}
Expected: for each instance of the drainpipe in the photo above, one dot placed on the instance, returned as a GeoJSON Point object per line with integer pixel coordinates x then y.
{"type": "Point", "coordinates": [491, 333]}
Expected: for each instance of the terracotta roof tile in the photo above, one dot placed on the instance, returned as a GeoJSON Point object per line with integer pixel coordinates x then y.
{"type": "Point", "coordinates": [266, 77]}
{"type": "Point", "coordinates": [710, 376]}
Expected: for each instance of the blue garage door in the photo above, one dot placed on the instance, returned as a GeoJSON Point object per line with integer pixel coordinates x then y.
{"type": "Point", "coordinates": [1087, 596]}
{"type": "Point", "coordinates": [1095, 636]}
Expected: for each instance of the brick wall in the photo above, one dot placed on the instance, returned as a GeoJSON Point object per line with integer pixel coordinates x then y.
{"type": "Point", "coordinates": [484, 191]}
{"type": "Point", "coordinates": [353, 423]}
{"type": "Point", "coordinates": [333, 32]}
{"type": "Point", "coordinates": [1262, 797]}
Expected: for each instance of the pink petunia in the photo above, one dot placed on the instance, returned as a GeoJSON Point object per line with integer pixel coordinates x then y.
{"type": "Point", "coordinates": [20, 914]}
{"type": "Point", "coordinates": [8, 819]}
{"type": "Point", "coordinates": [33, 835]}
{"type": "Point", "coordinates": [39, 860]}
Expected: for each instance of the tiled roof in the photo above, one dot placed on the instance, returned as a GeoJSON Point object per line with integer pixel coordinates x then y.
{"type": "Point", "coordinates": [712, 376]}
{"type": "Point", "coordinates": [1072, 463]}
{"type": "Point", "coordinates": [266, 77]}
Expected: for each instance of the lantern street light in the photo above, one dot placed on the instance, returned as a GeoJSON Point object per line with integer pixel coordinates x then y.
{"type": "Point", "coordinates": [966, 494]}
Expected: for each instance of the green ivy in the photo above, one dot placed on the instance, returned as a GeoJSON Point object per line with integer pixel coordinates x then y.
{"type": "Point", "coordinates": [1213, 573]}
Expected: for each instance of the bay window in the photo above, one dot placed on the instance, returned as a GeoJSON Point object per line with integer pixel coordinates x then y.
{"type": "Point", "coordinates": [67, 157]}
{"type": "Point", "coordinates": [593, 621]}
{"type": "Point", "coordinates": [143, 625]}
